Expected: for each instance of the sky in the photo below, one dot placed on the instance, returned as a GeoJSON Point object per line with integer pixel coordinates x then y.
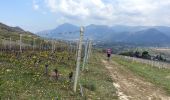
{"type": "Point", "coordinates": [39, 15]}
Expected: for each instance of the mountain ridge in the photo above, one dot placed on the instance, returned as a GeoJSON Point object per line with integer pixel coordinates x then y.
{"type": "Point", "coordinates": [119, 33]}
{"type": "Point", "coordinates": [13, 32]}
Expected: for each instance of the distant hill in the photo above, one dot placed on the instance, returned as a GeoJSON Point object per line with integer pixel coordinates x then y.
{"type": "Point", "coordinates": [64, 31]}
{"type": "Point", "coordinates": [120, 33]}
{"type": "Point", "coordinates": [151, 35]}
{"type": "Point", "coordinates": [7, 28]}
{"type": "Point", "coordinates": [13, 32]}
{"type": "Point", "coordinates": [163, 29]}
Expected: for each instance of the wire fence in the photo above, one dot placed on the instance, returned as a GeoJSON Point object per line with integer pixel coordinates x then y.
{"type": "Point", "coordinates": [25, 43]}
{"type": "Point", "coordinates": [158, 64]}
{"type": "Point", "coordinates": [11, 45]}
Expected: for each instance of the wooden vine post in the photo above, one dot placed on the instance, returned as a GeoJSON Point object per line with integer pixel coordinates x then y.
{"type": "Point", "coordinates": [70, 45]}
{"type": "Point", "coordinates": [85, 54]}
{"type": "Point", "coordinates": [10, 43]}
{"type": "Point", "coordinates": [52, 46]}
{"type": "Point", "coordinates": [34, 44]}
{"type": "Point", "coordinates": [88, 52]}
{"type": "Point", "coordinates": [20, 42]}
{"type": "Point", "coordinates": [78, 59]}
{"type": "Point", "coordinates": [77, 47]}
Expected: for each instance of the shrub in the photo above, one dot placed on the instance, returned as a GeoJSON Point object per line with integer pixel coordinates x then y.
{"type": "Point", "coordinates": [90, 85]}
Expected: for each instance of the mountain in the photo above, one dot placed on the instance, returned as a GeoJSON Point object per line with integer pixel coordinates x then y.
{"type": "Point", "coordinates": [151, 35]}
{"type": "Point", "coordinates": [13, 32]}
{"type": "Point", "coordinates": [64, 31]}
{"type": "Point", "coordinates": [10, 29]}
{"type": "Point", "coordinates": [124, 28]}
{"type": "Point", "coordinates": [118, 33]}
{"type": "Point", "coordinates": [98, 32]}
{"type": "Point", "coordinates": [163, 29]}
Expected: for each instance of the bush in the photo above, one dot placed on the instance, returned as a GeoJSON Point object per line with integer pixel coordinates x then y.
{"type": "Point", "coordinates": [90, 85]}
{"type": "Point", "coordinates": [130, 53]}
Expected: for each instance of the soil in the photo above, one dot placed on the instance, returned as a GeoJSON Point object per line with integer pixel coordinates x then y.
{"type": "Point", "coordinates": [133, 87]}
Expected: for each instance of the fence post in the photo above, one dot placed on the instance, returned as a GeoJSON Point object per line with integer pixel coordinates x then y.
{"type": "Point", "coordinates": [81, 90]}
{"type": "Point", "coordinates": [78, 59]}
{"type": "Point", "coordinates": [20, 42]}
{"type": "Point", "coordinates": [88, 52]}
{"type": "Point", "coordinates": [70, 46]}
{"type": "Point", "coordinates": [52, 46]}
{"type": "Point", "coordinates": [33, 44]}
{"type": "Point", "coordinates": [90, 48]}
{"type": "Point", "coordinates": [10, 43]}
{"type": "Point", "coordinates": [85, 54]}
{"type": "Point", "coordinates": [77, 46]}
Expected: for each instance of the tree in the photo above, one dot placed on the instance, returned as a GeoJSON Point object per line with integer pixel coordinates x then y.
{"type": "Point", "coordinates": [137, 54]}
{"type": "Point", "coordinates": [146, 55]}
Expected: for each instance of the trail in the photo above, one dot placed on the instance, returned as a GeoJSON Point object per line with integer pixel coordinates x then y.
{"type": "Point", "coordinates": [132, 87]}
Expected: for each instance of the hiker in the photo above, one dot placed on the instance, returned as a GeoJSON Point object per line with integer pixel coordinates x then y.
{"type": "Point", "coordinates": [109, 52]}
{"type": "Point", "coordinates": [54, 74]}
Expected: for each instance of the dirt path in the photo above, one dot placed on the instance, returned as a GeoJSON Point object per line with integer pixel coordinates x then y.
{"type": "Point", "coordinates": [132, 87]}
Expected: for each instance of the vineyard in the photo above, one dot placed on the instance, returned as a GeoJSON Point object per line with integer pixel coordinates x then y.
{"type": "Point", "coordinates": [24, 74]}
{"type": "Point", "coordinates": [27, 63]}
{"type": "Point", "coordinates": [33, 67]}
{"type": "Point", "coordinates": [84, 50]}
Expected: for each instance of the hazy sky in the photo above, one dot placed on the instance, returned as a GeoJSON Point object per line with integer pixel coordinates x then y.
{"type": "Point", "coordinates": [37, 15]}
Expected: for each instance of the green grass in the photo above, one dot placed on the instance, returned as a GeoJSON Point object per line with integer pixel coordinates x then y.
{"type": "Point", "coordinates": [97, 81]}
{"type": "Point", "coordinates": [159, 77]}
{"type": "Point", "coordinates": [21, 79]}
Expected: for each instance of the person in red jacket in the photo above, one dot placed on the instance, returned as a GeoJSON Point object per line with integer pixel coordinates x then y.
{"type": "Point", "coordinates": [109, 52]}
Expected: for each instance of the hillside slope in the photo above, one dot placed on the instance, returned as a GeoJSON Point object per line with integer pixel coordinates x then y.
{"type": "Point", "coordinates": [13, 32]}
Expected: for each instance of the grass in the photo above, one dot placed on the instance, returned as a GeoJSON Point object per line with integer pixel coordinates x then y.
{"type": "Point", "coordinates": [98, 81]}
{"type": "Point", "coordinates": [21, 78]}
{"type": "Point", "coordinates": [159, 77]}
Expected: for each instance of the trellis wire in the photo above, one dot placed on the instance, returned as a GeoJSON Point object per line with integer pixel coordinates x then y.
{"type": "Point", "coordinates": [152, 63]}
